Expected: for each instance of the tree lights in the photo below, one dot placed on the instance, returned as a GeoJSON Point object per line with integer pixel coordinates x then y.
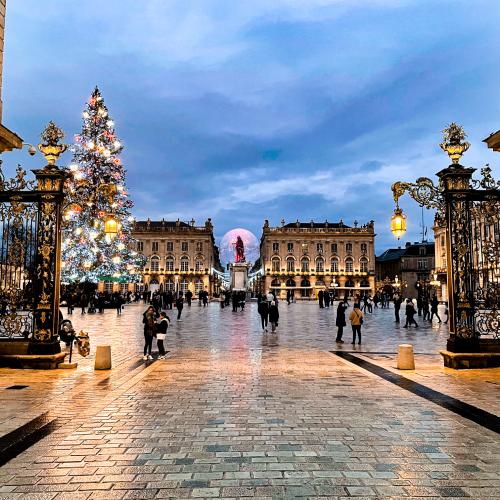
{"type": "Point", "coordinates": [97, 245]}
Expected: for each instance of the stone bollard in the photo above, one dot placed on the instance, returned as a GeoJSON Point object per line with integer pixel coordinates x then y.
{"type": "Point", "coordinates": [406, 360]}
{"type": "Point", "coordinates": [103, 357]}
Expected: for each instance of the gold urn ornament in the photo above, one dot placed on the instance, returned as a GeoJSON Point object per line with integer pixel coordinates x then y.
{"type": "Point", "coordinates": [50, 147]}
{"type": "Point", "coordinates": [454, 143]}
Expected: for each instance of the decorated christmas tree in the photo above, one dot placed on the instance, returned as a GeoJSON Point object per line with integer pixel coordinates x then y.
{"type": "Point", "coordinates": [96, 240]}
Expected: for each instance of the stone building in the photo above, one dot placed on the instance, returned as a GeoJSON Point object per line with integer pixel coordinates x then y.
{"type": "Point", "coordinates": [8, 139]}
{"type": "Point", "coordinates": [180, 256]}
{"type": "Point", "coordinates": [414, 265]}
{"type": "Point", "coordinates": [306, 257]}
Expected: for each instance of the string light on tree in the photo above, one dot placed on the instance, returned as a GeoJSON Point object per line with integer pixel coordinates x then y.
{"type": "Point", "coordinates": [97, 222]}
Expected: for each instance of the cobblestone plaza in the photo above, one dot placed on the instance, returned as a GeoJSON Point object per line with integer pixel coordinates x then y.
{"type": "Point", "coordinates": [234, 412]}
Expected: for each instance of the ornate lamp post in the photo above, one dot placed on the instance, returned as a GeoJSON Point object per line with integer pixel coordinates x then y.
{"type": "Point", "coordinates": [463, 206]}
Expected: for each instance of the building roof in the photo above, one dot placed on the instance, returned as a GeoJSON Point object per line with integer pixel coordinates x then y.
{"type": "Point", "coordinates": [159, 223]}
{"type": "Point", "coordinates": [414, 250]}
{"type": "Point", "coordinates": [391, 254]}
{"type": "Point", "coordinates": [316, 224]}
{"type": "Point", "coordinates": [493, 141]}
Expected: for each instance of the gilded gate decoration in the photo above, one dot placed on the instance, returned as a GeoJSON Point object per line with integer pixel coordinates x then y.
{"type": "Point", "coordinates": [30, 250]}
{"type": "Point", "coordinates": [470, 211]}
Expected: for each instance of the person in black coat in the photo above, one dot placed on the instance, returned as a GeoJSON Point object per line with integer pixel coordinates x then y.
{"type": "Point", "coordinates": [434, 308]}
{"type": "Point", "coordinates": [179, 303]}
{"type": "Point", "coordinates": [397, 306]}
{"type": "Point", "coordinates": [263, 310]}
{"type": "Point", "coordinates": [326, 298]}
{"type": "Point", "coordinates": [189, 296]}
{"type": "Point", "coordinates": [320, 299]}
{"type": "Point", "coordinates": [410, 314]}
{"type": "Point", "coordinates": [273, 315]}
{"type": "Point", "coordinates": [340, 321]}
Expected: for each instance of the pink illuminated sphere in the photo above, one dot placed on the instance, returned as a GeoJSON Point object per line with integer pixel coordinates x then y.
{"type": "Point", "coordinates": [226, 247]}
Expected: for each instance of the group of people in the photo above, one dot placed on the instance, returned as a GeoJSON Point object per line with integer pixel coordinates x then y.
{"type": "Point", "coordinates": [428, 308]}
{"type": "Point", "coordinates": [91, 302]}
{"type": "Point", "coordinates": [356, 318]}
{"type": "Point", "coordinates": [267, 307]}
{"type": "Point", "coordinates": [155, 326]}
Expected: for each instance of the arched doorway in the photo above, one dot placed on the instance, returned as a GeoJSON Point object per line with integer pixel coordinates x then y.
{"type": "Point", "coordinates": [305, 288]}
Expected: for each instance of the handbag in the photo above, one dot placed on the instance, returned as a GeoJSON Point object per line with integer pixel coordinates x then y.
{"type": "Point", "coordinates": [161, 336]}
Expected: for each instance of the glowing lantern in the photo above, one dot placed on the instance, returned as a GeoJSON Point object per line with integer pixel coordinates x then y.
{"type": "Point", "coordinates": [87, 264]}
{"type": "Point", "coordinates": [120, 246]}
{"type": "Point", "coordinates": [398, 223]}
{"type": "Point", "coordinates": [111, 227]}
{"type": "Point", "coordinates": [116, 259]}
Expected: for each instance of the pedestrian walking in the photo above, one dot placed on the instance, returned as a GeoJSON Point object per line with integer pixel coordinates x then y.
{"type": "Point", "coordinates": [320, 299]}
{"type": "Point", "coordinates": [263, 310]}
{"type": "Point", "coordinates": [434, 308]}
{"type": "Point", "coordinates": [425, 308]}
{"type": "Point", "coordinates": [161, 333]}
{"type": "Point", "coordinates": [179, 303]}
{"type": "Point", "coordinates": [205, 299]}
{"type": "Point", "coordinates": [356, 319]}
{"type": "Point", "coordinates": [273, 316]}
{"type": "Point", "coordinates": [397, 306]}
{"type": "Point", "coordinates": [326, 298]}
{"type": "Point", "coordinates": [410, 314]}
{"type": "Point", "coordinates": [189, 297]}
{"type": "Point", "coordinates": [149, 330]}
{"type": "Point", "coordinates": [84, 302]}
{"type": "Point", "coordinates": [340, 321]}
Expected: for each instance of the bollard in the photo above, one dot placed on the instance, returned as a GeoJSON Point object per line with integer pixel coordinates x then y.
{"type": "Point", "coordinates": [103, 357]}
{"type": "Point", "coordinates": [406, 360]}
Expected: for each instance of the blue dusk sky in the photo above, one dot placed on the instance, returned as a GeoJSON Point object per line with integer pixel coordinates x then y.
{"type": "Point", "coordinates": [245, 110]}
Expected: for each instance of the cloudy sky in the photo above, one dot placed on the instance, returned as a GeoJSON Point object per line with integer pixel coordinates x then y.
{"type": "Point", "coordinates": [245, 110]}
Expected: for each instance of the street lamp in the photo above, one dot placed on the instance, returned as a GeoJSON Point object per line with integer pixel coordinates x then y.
{"type": "Point", "coordinates": [398, 222]}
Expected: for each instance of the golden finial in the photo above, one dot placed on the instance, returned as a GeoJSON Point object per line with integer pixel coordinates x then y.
{"type": "Point", "coordinates": [50, 147]}
{"type": "Point", "coordinates": [454, 143]}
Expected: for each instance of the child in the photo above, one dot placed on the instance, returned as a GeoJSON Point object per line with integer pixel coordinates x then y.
{"type": "Point", "coordinates": [161, 333]}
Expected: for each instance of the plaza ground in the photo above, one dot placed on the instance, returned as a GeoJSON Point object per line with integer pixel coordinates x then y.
{"type": "Point", "coordinates": [234, 412]}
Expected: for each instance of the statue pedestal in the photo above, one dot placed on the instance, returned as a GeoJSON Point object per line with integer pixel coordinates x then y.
{"type": "Point", "coordinates": [239, 276]}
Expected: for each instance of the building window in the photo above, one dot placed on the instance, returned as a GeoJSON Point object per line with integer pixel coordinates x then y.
{"type": "Point", "coordinates": [140, 246]}
{"type": "Point", "coordinates": [155, 263]}
{"type": "Point", "coordinates": [139, 287]}
{"type": "Point", "coordinates": [319, 247]}
{"type": "Point", "coordinates": [199, 246]}
{"type": "Point", "coordinates": [276, 283]}
{"type": "Point", "coordinates": [198, 285]}
{"type": "Point", "coordinates": [364, 247]}
{"type": "Point", "coordinates": [335, 266]}
{"type": "Point", "coordinates": [154, 246]}
{"type": "Point", "coordinates": [108, 286]}
{"type": "Point", "coordinates": [198, 265]}
{"type": "Point", "coordinates": [305, 247]}
{"type": "Point", "coordinates": [169, 285]}
{"type": "Point", "coordinates": [334, 247]}
{"type": "Point", "coordinates": [276, 247]}
{"type": "Point", "coordinates": [123, 287]}
{"type": "Point", "coordinates": [422, 264]}
{"type": "Point", "coordinates": [348, 265]}
{"type": "Point", "coordinates": [290, 247]}
{"type": "Point", "coordinates": [275, 264]}
{"type": "Point", "coordinates": [290, 265]}
{"type": "Point", "coordinates": [348, 247]}
{"type": "Point", "coordinates": [184, 246]}
{"type": "Point", "coordinates": [184, 265]}
{"type": "Point", "coordinates": [421, 251]}
{"type": "Point", "coordinates": [169, 264]}
{"type": "Point", "coordinates": [170, 246]}
{"type": "Point", "coordinates": [304, 265]}
{"type": "Point", "coordinates": [320, 265]}
{"type": "Point", "coordinates": [363, 265]}
{"type": "Point", "coordinates": [184, 285]}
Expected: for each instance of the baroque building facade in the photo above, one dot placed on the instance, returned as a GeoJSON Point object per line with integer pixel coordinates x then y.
{"type": "Point", "coordinates": [180, 256]}
{"type": "Point", "coordinates": [306, 257]}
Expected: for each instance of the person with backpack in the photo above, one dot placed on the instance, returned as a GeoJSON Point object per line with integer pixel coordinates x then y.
{"type": "Point", "coordinates": [356, 319]}
{"type": "Point", "coordinates": [179, 303]}
{"type": "Point", "coordinates": [161, 333]}
{"type": "Point", "coordinates": [148, 319]}
{"type": "Point", "coordinates": [273, 315]}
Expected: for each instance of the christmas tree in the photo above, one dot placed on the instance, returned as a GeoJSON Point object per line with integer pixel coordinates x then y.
{"type": "Point", "coordinates": [96, 240]}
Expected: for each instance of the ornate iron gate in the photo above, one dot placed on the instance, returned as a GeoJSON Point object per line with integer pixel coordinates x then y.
{"type": "Point", "coordinates": [470, 211]}
{"type": "Point", "coordinates": [473, 223]}
{"type": "Point", "coordinates": [30, 251]}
